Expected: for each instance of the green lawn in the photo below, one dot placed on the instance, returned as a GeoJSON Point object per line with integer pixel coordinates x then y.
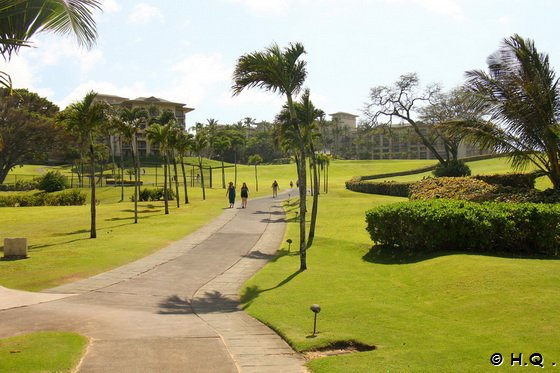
{"type": "Point", "coordinates": [438, 314]}
{"type": "Point", "coordinates": [41, 352]}
{"type": "Point", "coordinates": [444, 313]}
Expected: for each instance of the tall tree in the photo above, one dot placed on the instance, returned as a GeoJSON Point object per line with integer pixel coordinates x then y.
{"type": "Point", "coordinates": [86, 118]}
{"type": "Point", "coordinates": [199, 145]}
{"type": "Point", "coordinates": [27, 128]}
{"type": "Point", "coordinates": [402, 101]}
{"type": "Point", "coordinates": [20, 20]}
{"type": "Point", "coordinates": [130, 122]}
{"type": "Point", "coordinates": [279, 71]}
{"type": "Point", "coordinates": [255, 160]}
{"type": "Point", "coordinates": [183, 146]}
{"type": "Point", "coordinates": [159, 135]}
{"type": "Point", "coordinates": [521, 94]}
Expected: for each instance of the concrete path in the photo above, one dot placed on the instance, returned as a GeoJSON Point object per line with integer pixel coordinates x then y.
{"type": "Point", "coordinates": [174, 311]}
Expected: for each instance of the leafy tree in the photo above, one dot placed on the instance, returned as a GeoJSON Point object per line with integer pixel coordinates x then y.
{"type": "Point", "coordinates": [199, 145]}
{"type": "Point", "coordinates": [20, 20]}
{"type": "Point", "coordinates": [129, 123]}
{"type": "Point", "coordinates": [53, 181]}
{"type": "Point", "coordinates": [86, 118]}
{"type": "Point", "coordinates": [521, 94]}
{"type": "Point", "coordinates": [183, 146]}
{"type": "Point", "coordinates": [159, 135]}
{"type": "Point", "coordinates": [27, 128]}
{"type": "Point", "coordinates": [255, 159]}
{"type": "Point", "coordinates": [221, 144]}
{"type": "Point", "coordinates": [279, 71]}
{"type": "Point", "coordinates": [401, 101]}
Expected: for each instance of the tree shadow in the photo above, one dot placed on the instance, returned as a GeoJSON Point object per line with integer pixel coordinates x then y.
{"type": "Point", "coordinates": [268, 220]}
{"type": "Point", "coordinates": [259, 255]}
{"type": "Point", "coordinates": [209, 302]}
{"type": "Point", "coordinates": [252, 292]}
{"type": "Point", "coordinates": [79, 231]}
{"type": "Point", "coordinates": [382, 254]}
{"type": "Point", "coordinates": [269, 212]}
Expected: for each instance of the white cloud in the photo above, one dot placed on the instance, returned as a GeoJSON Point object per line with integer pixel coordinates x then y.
{"type": "Point", "coordinates": [145, 13]}
{"type": "Point", "coordinates": [110, 6]}
{"type": "Point", "coordinates": [265, 7]}
{"type": "Point", "coordinates": [58, 51]}
{"type": "Point", "coordinates": [450, 8]}
{"type": "Point", "coordinates": [198, 74]}
{"type": "Point", "coordinates": [137, 89]}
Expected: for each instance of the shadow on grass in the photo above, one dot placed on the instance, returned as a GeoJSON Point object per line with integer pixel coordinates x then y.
{"type": "Point", "coordinates": [79, 231]}
{"type": "Point", "coordinates": [252, 292]}
{"type": "Point", "coordinates": [393, 255]}
{"type": "Point", "coordinates": [209, 302]}
{"type": "Point", "coordinates": [269, 212]}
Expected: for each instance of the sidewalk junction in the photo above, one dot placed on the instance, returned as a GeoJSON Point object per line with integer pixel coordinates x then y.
{"type": "Point", "coordinates": [173, 311]}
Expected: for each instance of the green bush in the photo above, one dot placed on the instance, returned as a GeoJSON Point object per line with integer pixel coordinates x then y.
{"type": "Point", "coordinates": [19, 186]}
{"type": "Point", "coordinates": [71, 197]}
{"type": "Point", "coordinates": [452, 169]}
{"type": "Point", "coordinates": [387, 188]}
{"type": "Point", "coordinates": [52, 181]}
{"type": "Point", "coordinates": [447, 225]}
{"type": "Point", "coordinates": [514, 180]}
{"type": "Point", "coordinates": [147, 194]}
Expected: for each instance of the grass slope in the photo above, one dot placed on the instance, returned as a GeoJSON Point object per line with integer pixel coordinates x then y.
{"type": "Point", "coordinates": [41, 352]}
{"type": "Point", "coordinates": [433, 314]}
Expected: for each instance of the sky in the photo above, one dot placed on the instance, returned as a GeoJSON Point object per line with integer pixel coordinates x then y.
{"type": "Point", "coordinates": [186, 50]}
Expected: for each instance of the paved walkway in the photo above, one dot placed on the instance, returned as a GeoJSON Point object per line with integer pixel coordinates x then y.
{"type": "Point", "coordinates": [174, 311]}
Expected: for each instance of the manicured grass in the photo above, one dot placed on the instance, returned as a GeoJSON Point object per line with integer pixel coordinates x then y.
{"type": "Point", "coordinates": [41, 352]}
{"type": "Point", "coordinates": [446, 313]}
{"type": "Point", "coordinates": [426, 314]}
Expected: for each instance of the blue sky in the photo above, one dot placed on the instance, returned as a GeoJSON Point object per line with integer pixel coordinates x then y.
{"type": "Point", "coordinates": [185, 50]}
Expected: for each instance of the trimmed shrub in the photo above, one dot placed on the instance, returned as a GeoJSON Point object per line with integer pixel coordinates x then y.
{"type": "Point", "coordinates": [71, 197]}
{"type": "Point", "coordinates": [514, 180]}
{"type": "Point", "coordinates": [465, 188]}
{"type": "Point", "coordinates": [446, 225]}
{"type": "Point", "coordinates": [452, 169]}
{"type": "Point", "coordinates": [147, 194]}
{"type": "Point", "coordinates": [19, 186]}
{"type": "Point", "coordinates": [387, 188]}
{"type": "Point", "coordinates": [52, 181]}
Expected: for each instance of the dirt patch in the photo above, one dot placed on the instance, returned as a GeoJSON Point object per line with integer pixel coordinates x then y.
{"type": "Point", "coordinates": [338, 348]}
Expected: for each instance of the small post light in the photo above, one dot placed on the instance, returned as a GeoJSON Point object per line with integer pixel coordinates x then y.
{"type": "Point", "coordinates": [316, 309]}
{"type": "Point", "coordinates": [289, 241]}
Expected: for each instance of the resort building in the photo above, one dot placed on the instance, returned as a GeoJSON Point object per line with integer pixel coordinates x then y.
{"type": "Point", "coordinates": [151, 104]}
{"type": "Point", "coordinates": [345, 119]}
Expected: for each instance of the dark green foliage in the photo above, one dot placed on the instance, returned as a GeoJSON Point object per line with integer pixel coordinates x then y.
{"type": "Point", "coordinates": [154, 195]}
{"type": "Point", "coordinates": [446, 225]}
{"type": "Point", "coordinates": [515, 180]}
{"type": "Point", "coordinates": [71, 197]}
{"type": "Point", "coordinates": [384, 188]}
{"type": "Point", "coordinates": [453, 168]}
{"type": "Point", "coordinates": [20, 186]}
{"type": "Point", "coordinates": [52, 181]}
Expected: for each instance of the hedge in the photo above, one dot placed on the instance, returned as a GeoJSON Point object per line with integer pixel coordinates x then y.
{"type": "Point", "coordinates": [387, 188]}
{"type": "Point", "coordinates": [447, 225]}
{"type": "Point", "coordinates": [70, 197]}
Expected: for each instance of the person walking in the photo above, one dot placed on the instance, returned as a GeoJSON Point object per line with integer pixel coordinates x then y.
{"type": "Point", "coordinates": [230, 193]}
{"type": "Point", "coordinates": [274, 189]}
{"type": "Point", "coordinates": [244, 195]}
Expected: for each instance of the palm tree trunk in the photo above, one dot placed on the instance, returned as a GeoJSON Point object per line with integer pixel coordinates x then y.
{"type": "Point", "coordinates": [315, 200]}
{"type": "Point", "coordinates": [165, 195]}
{"type": "Point", "coordinates": [184, 181]}
{"type": "Point", "coordinates": [223, 174]}
{"type": "Point", "coordinates": [134, 162]}
{"type": "Point", "coordinates": [302, 176]}
{"type": "Point", "coordinates": [202, 178]}
{"type": "Point", "coordinates": [93, 229]}
{"type": "Point", "coordinates": [176, 180]}
{"type": "Point", "coordinates": [256, 180]}
{"type": "Point", "coordinates": [121, 171]}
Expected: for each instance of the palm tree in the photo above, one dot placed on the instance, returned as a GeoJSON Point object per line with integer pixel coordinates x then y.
{"type": "Point", "coordinates": [86, 118]}
{"type": "Point", "coordinates": [221, 145]}
{"type": "Point", "coordinates": [130, 122]}
{"type": "Point", "coordinates": [183, 146]}
{"type": "Point", "coordinates": [522, 95]}
{"type": "Point", "coordinates": [255, 159]}
{"type": "Point", "coordinates": [199, 144]}
{"type": "Point", "coordinates": [279, 71]}
{"type": "Point", "coordinates": [158, 135]}
{"type": "Point", "coordinates": [20, 20]}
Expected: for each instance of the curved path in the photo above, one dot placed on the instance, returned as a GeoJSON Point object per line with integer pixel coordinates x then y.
{"type": "Point", "coordinates": [174, 311]}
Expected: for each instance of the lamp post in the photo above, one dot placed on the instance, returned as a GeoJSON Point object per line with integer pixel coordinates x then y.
{"type": "Point", "coordinates": [316, 309]}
